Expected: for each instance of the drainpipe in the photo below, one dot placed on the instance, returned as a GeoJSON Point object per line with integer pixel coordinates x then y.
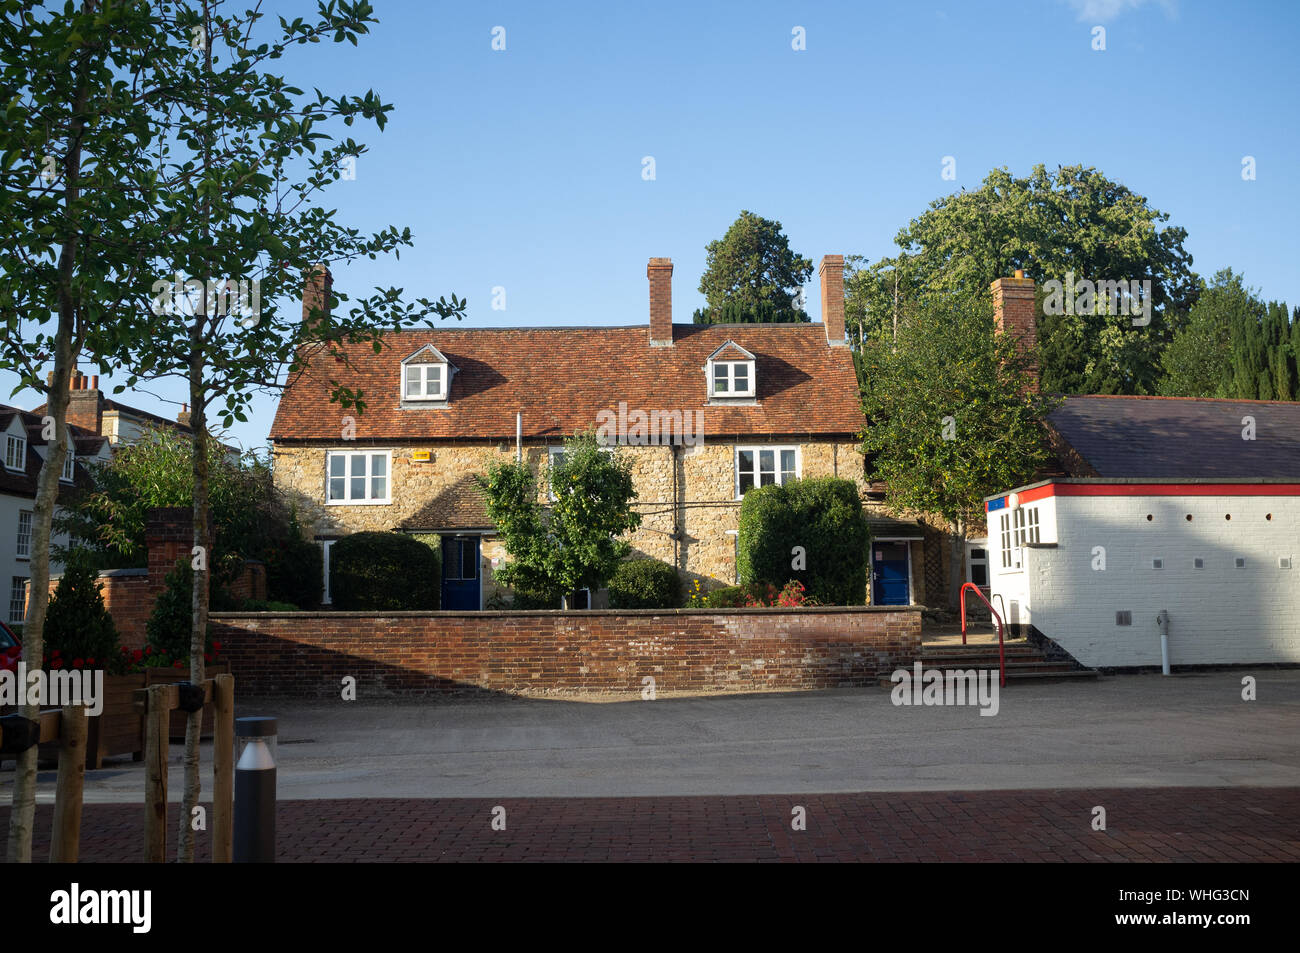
{"type": "Point", "coordinates": [1162, 620]}
{"type": "Point", "coordinates": [519, 437]}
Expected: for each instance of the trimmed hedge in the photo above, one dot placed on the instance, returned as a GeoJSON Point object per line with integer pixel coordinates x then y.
{"type": "Point", "coordinates": [645, 584]}
{"type": "Point", "coordinates": [824, 516]}
{"type": "Point", "coordinates": [384, 571]}
{"type": "Point", "coordinates": [294, 572]}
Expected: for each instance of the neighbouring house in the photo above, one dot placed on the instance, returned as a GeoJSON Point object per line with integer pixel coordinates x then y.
{"type": "Point", "coordinates": [1189, 506]}
{"type": "Point", "coordinates": [704, 411]}
{"type": "Point", "coordinates": [23, 442]}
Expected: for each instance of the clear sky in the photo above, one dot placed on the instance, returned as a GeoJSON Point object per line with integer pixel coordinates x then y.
{"type": "Point", "coordinates": [522, 168]}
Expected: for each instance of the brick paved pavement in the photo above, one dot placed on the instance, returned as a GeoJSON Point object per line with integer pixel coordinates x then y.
{"type": "Point", "coordinates": [1144, 824]}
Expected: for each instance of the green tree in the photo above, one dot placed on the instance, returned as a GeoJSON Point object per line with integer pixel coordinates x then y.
{"type": "Point", "coordinates": [1073, 220]}
{"type": "Point", "coordinates": [574, 542]}
{"type": "Point", "coordinates": [208, 170]}
{"type": "Point", "coordinates": [952, 415]}
{"type": "Point", "coordinates": [1198, 361]}
{"type": "Point", "coordinates": [751, 275]}
{"type": "Point", "coordinates": [75, 159]}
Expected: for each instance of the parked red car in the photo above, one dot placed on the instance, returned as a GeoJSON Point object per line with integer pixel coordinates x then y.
{"type": "Point", "coordinates": [11, 649]}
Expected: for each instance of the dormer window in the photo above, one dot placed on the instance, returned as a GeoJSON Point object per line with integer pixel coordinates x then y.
{"type": "Point", "coordinates": [426, 375]}
{"type": "Point", "coordinates": [731, 372]}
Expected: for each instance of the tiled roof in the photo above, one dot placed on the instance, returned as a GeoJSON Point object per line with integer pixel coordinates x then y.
{"type": "Point", "coordinates": [1181, 437]}
{"type": "Point", "coordinates": [561, 378]}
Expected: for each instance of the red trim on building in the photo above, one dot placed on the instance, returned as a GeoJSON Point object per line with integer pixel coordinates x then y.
{"type": "Point", "coordinates": [1156, 489]}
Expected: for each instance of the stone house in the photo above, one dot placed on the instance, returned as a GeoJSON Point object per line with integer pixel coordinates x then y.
{"type": "Point", "coordinates": [703, 412]}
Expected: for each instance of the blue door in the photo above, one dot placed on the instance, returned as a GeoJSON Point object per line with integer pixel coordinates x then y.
{"type": "Point", "coordinates": [889, 574]}
{"type": "Point", "coordinates": [460, 575]}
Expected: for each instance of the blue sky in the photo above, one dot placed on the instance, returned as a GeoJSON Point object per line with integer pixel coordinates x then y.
{"type": "Point", "coordinates": [522, 168]}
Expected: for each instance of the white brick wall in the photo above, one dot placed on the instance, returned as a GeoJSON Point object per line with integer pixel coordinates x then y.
{"type": "Point", "coordinates": [1218, 614]}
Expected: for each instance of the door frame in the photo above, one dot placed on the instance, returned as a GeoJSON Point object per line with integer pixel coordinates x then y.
{"type": "Point", "coordinates": [907, 548]}
{"type": "Point", "coordinates": [462, 534]}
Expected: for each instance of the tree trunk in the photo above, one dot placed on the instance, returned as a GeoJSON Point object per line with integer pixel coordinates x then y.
{"type": "Point", "coordinates": [957, 543]}
{"type": "Point", "coordinates": [199, 598]}
{"type": "Point", "coordinates": [23, 813]}
{"type": "Point", "coordinates": [202, 541]}
{"type": "Point", "coordinates": [66, 345]}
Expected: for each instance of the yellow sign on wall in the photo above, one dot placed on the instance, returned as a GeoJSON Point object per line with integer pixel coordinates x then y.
{"type": "Point", "coordinates": [421, 456]}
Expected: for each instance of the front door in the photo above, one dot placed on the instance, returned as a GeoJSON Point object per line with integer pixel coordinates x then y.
{"type": "Point", "coordinates": [460, 575]}
{"type": "Point", "coordinates": [889, 574]}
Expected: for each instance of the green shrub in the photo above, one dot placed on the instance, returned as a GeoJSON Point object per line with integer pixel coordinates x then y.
{"type": "Point", "coordinates": [384, 571]}
{"type": "Point", "coordinates": [168, 629]}
{"type": "Point", "coordinates": [645, 584]}
{"type": "Point", "coordinates": [728, 597]}
{"type": "Point", "coordinates": [522, 599]}
{"type": "Point", "coordinates": [823, 516]}
{"type": "Point", "coordinates": [78, 627]}
{"type": "Point", "coordinates": [266, 605]}
{"type": "Point", "coordinates": [294, 572]}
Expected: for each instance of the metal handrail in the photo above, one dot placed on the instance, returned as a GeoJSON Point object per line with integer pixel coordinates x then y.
{"type": "Point", "coordinates": [1002, 649]}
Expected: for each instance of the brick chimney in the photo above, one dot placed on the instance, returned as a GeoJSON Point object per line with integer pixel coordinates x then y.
{"type": "Point", "coordinates": [183, 418]}
{"type": "Point", "coordinates": [1013, 313]}
{"type": "Point", "coordinates": [660, 273]}
{"type": "Point", "coordinates": [316, 292]}
{"type": "Point", "coordinates": [85, 403]}
{"type": "Point", "coordinates": [831, 273]}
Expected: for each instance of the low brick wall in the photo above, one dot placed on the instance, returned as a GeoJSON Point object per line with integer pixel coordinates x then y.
{"type": "Point", "coordinates": [553, 652]}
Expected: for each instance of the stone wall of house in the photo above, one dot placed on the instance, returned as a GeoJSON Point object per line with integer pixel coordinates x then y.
{"type": "Point", "coordinates": [697, 485]}
{"type": "Point", "coordinates": [558, 653]}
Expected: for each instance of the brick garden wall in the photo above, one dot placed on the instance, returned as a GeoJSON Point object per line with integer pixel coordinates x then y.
{"type": "Point", "coordinates": [552, 652]}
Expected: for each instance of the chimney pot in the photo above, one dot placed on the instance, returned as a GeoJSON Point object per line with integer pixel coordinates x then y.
{"type": "Point", "coordinates": [831, 275]}
{"type": "Point", "coordinates": [660, 273]}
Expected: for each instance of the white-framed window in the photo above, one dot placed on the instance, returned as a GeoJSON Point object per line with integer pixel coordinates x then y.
{"type": "Point", "coordinates": [731, 379]}
{"type": "Point", "coordinates": [69, 464]}
{"type": "Point", "coordinates": [977, 563]}
{"type": "Point", "coordinates": [325, 546]}
{"type": "Point", "coordinates": [18, 601]}
{"type": "Point", "coordinates": [23, 545]}
{"type": "Point", "coordinates": [424, 382]}
{"type": "Point", "coordinates": [15, 452]}
{"type": "Point", "coordinates": [357, 476]}
{"type": "Point", "coordinates": [759, 466]}
{"type": "Point", "coordinates": [1018, 528]}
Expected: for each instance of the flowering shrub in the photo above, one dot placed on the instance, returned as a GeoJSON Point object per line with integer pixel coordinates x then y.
{"type": "Point", "coordinates": [137, 660]}
{"type": "Point", "coordinates": [765, 595]}
{"type": "Point", "coordinates": [696, 597]}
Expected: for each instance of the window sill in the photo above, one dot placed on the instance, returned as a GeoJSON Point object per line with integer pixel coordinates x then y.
{"type": "Point", "coordinates": [359, 502]}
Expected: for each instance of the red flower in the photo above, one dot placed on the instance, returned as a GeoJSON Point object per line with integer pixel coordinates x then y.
{"type": "Point", "coordinates": [207, 656]}
{"type": "Point", "coordinates": [77, 663]}
{"type": "Point", "coordinates": [136, 656]}
{"type": "Point", "coordinates": [176, 664]}
{"type": "Point", "coordinates": [148, 650]}
{"type": "Point", "coordinates": [217, 646]}
{"type": "Point", "coordinates": [90, 661]}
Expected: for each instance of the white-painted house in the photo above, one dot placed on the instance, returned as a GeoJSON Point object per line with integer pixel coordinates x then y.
{"type": "Point", "coordinates": [24, 447]}
{"type": "Point", "coordinates": [1188, 506]}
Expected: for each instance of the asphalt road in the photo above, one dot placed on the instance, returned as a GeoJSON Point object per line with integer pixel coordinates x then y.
{"type": "Point", "coordinates": [1122, 731]}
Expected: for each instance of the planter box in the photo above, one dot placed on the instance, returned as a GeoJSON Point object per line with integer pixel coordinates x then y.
{"type": "Point", "coordinates": [119, 728]}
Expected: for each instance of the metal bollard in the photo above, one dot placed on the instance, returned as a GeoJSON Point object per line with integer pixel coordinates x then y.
{"type": "Point", "coordinates": [254, 835]}
{"type": "Point", "coordinates": [1162, 620]}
